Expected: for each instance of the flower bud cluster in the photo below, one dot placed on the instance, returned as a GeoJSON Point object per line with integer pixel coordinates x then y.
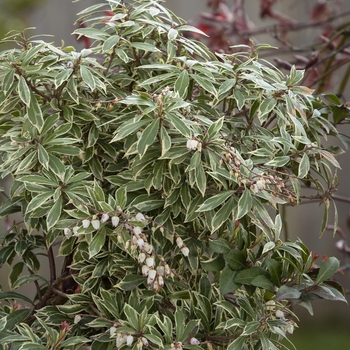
{"type": "Point", "coordinates": [184, 250]}
{"type": "Point", "coordinates": [123, 338]}
{"type": "Point", "coordinates": [259, 185]}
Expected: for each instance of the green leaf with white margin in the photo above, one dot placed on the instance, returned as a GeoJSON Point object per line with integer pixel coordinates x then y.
{"type": "Point", "coordinates": [179, 323]}
{"type": "Point", "coordinates": [132, 316]}
{"type": "Point", "coordinates": [43, 157]}
{"type": "Point", "coordinates": [224, 214]}
{"type": "Point", "coordinates": [24, 91]}
{"type": "Point", "coordinates": [54, 213]}
{"type": "Point", "coordinates": [219, 245]}
{"type": "Point", "coordinates": [327, 269]}
{"type": "Point", "coordinates": [304, 166]}
{"type": "Point", "coordinates": [154, 339]}
{"type": "Point", "coordinates": [87, 77]}
{"type": "Point", "coordinates": [39, 200]}
{"type": "Point", "coordinates": [215, 128]}
{"type": "Point", "coordinates": [204, 83]}
{"type": "Point", "coordinates": [130, 282]}
{"type": "Point", "coordinates": [214, 201]}
{"type": "Point", "coordinates": [201, 179]}
{"type": "Point", "coordinates": [73, 341]}
{"type": "Point", "coordinates": [182, 83]}
{"type": "Point", "coordinates": [121, 197]}
{"type": "Point", "coordinates": [268, 246]}
{"type": "Point", "coordinates": [96, 244]}
{"type": "Point", "coordinates": [128, 128]}
{"type": "Point", "coordinates": [238, 343]}
{"type": "Point", "coordinates": [62, 76]}
{"type": "Point", "coordinates": [165, 140]}
{"type": "Point", "coordinates": [251, 327]}
{"type": "Point", "coordinates": [35, 115]}
{"type": "Point", "coordinates": [56, 166]}
{"type": "Point", "coordinates": [179, 125]}
{"type": "Point", "coordinates": [147, 137]}
{"type": "Point", "coordinates": [244, 204]}
{"type": "Point", "coordinates": [224, 88]}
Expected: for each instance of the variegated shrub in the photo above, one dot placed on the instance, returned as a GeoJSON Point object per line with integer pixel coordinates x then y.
{"type": "Point", "coordinates": [159, 170]}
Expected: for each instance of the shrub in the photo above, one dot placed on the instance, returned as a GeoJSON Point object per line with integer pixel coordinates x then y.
{"type": "Point", "coordinates": [158, 169]}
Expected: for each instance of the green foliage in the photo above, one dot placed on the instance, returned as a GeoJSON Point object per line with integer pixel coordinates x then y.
{"type": "Point", "coordinates": [159, 169]}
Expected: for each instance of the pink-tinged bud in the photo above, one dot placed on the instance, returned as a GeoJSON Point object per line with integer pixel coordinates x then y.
{"type": "Point", "coordinates": [191, 145]}
{"type": "Point", "coordinates": [68, 232]}
{"type": "Point", "coordinates": [140, 243]}
{"type": "Point", "coordinates": [86, 223]}
{"type": "Point", "coordinates": [104, 217]}
{"type": "Point", "coordinates": [185, 251]}
{"type": "Point", "coordinates": [141, 258]}
{"type": "Point", "coordinates": [167, 270]}
{"type": "Point", "coordinates": [115, 221]}
{"type": "Point", "coordinates": [120, 340]}
{"type": "Point", "coordinates": [137, 230]}
{"type": "Point", "coordinates": [150, 262]}
{"type": "Point", "coordinates": [145, 270]}
{"type": "Point", "coordinates": [140, 217]}
{"type": "Point", "coordinates": [95, 224]}
{"type": "Point", "coordinates": [129, 340]}
{"type": "Point", "coordinates": [179, 242]}
{"type": "Point", "coordinates": [151, 276]}
{"type": "Point", "coordinates": [77, 319]}
{"type": "Point", "coordinates": [194, 341]}
{"type": "Point", "coordinates": [64, 326]}
{"type": "Point", "coordinates": [148, 248]}
{"type": "Point", "coordinates": [112, 331]}
{"type": "Point", "coordinates": [75, 230]}
{"type": "Point", "coordinates": [144, 341]}
{"type": "Point", "coordinates": [160, 281]}
{"type": "Point", "coordinates": [160, 270]}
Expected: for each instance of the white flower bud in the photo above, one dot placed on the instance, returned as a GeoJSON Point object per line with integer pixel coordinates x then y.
{"type": "Point", "coordinates": [160, 270]}
{"type": "Point", "coordinates": [254, 188]}
{"type": "Point", "coordinates": [148, 248]}
{"type": "Point", "coordinates": [95, 224]}
{"type": "Point", "coordinates": [194, 341]}
{"type": "Point", "coordinates": [160, 281]}
{"type": "Point", "coordinates": [120, 340]}
{"type": "Point", "coordinates": [144, 341]}
{"type": "Point", "coordinates": [167, 270]}
{"type": "Point", "coordinates": [140, 243]}
{"type": "Point", "coordinates": [68, 232]}
{"type": "Point", "coordinates": [145, 270]}
{"type": "Point", "coordinates": [179, 242]}
{"type": "Point", "coordinates": [129, 340]}
{"type": "Point", "coordinates": [77, 319]}
{"type": "Point", "coordinates": [150, 262]}
{"type": "Point", "coordinates": [115, 221]}
{"type": "Point", "coordinates": [289, 328]}
{"type": "Point", "coordinates": [137, 230]}
{"type": "Point", "coordinates": [151, 276]}
{"type": "Point", "coordinates": [185, 251]}
{"type": "Point", "coordinates": [155, 285]}
{"type": "Point", "coordinates": [279, 314]}
{"type": "Point", "coordinates": [75, 230]}
{"type": "Point", "coordinates": [112, 331]}
{"type": "Point", "coordinates": [191, 145]}
{"type": "Point", "coordinates": [260, 184]}
{"type": "Point", "coordinates": [141, 258]}
{"type": "Point", "coordinates": [140, 217]}
{"type": "Point", "coordinates": [104, 217]}
{"type": "Point", "coordinates": [86, 223]}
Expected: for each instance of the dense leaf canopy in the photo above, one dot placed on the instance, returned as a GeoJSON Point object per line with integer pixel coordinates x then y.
{"type": "Point", "coordinates": [159, 169]}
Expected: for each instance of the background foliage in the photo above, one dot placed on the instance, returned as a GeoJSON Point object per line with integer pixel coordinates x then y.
{"type": "Point", "coordinates": [159, 170]}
